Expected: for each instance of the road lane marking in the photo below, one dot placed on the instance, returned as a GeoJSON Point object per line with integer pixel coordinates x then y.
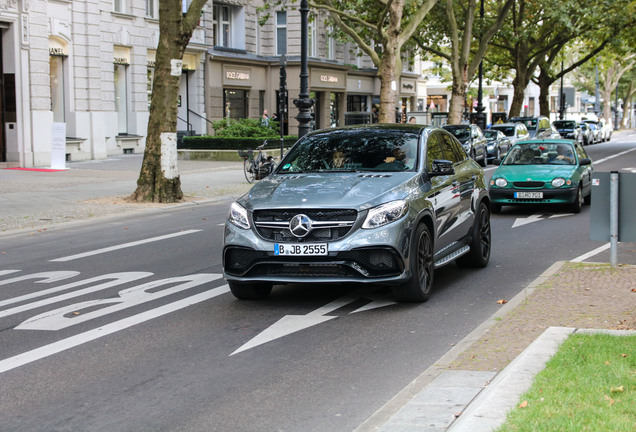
{"type": "Point", "coordinates": [82, 338]}
{"type": "Point", "coordinates": [591, 253]}
{"type": "Point", "coordinates": [613, 156]}
{"type": "Point", "coordinates": [123, 246]}
{"type": "Point", "coordinates": [49, 277]}
{"type": "Point", "coordinates": [118, 279]}
{"type": "Point", "coordinates": [294, 323]}
{"type": "Point", "coordinates": [73, 314]}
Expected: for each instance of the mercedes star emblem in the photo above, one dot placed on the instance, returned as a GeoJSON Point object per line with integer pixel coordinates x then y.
{"type": "Point", "coordinates": [300, 225]}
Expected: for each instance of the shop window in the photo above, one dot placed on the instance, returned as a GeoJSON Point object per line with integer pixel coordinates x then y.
{"type": "Point", "coordinates": [150, 73]}
{"type": "Point", "coordinates": [235, 103]}
{"type": "Point", "coordinates": [356, 103]}
{"type": "Point", "coordinates": [530, 107]}
{"type": "Point", "coordinates": [121, 98]}
{"type": "Point", "coordinates": [58, 103]}
{"type": "Point", "coordinates": [281, 32]}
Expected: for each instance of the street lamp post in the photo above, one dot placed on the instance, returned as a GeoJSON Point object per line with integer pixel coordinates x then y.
{"type": "Point", "coordinates": [480, 117]}
{"type": "Point", "coordinates": [303, 103]}
{"type": "Point", "coordinates": [561, 96]}
{"type": "Point", "coordinates": [282, 101]}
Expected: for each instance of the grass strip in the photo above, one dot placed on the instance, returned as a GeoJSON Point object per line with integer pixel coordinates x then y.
{"type": "Point", "coordinates": [588, 385]}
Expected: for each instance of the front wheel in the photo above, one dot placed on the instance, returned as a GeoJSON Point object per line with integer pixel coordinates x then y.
{"type": "Point", "coordinates": [578, 201]}
{"type": "Point", "coordinates": [250, 291]}
{"type": "Point", "coordinates": [419, 286]}
{"type": "Point", "coordinates": [250, 170]}
{"type": "Point", "coordinates": [479, 254]}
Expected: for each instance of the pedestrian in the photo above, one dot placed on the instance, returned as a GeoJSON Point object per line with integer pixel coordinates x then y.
{"type": "Point", "coordinates": [265, 119]}
{"type": "Point", "coordinates": [412, 120]}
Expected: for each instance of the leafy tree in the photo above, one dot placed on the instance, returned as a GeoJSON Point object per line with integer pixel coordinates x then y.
{"type": "Point", "coordinates": [381, 29]}
{"type": "Point", "coordinates": [158, 179]}
{"type": "Point", "coordinates": [454, 33]}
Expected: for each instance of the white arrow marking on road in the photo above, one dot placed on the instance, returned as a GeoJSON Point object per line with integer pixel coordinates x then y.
{"type": "Point", "coordinates": [524, 221]}
{"type": "Point", "coordinates": [561, 215]}
{"type": "Point", "coordinates": [293, 323]}
{"type": "Point", "coordinates": [5, 272]}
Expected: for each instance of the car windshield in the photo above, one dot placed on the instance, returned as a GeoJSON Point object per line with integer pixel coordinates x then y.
{"type": "Point", "coordinates": [507, 130]}
{"type": "Point", "coordinates": [540, 154]}
{"type": "Point", "coordinates": [530, 123]}
{"type": "Point", "coordinates": [491, 135]}
{"type": "Point", "coordinates": [462, 133]}
{"type": "Point", "coordinates": [353, 150]}
{"type": "Point", "coordinates": [564, 124]}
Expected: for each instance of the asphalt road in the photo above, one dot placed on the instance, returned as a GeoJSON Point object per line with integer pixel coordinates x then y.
{"type": "Point", "coordinates": [126, 325]}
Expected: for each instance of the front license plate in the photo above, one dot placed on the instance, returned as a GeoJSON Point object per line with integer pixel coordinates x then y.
{"type": "Point", "coordinates": [531, 195]}
{"type": "Point", "coordinates": [301, 249]}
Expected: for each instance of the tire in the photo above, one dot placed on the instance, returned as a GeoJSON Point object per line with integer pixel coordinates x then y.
{"type": "Point", "coordinates": [250, 291]}
{"type": "Point", "coordinates": [249, 170]}
{"type": "Point", "coordinates": [480, 244]}
{"type": "Point", "coordinates": [495, 208]}
{"type": "Point", "coordinates": [587, 200]}
{"type": "Point", "coordinates": [417, 289]}
{"type": "Point", "coordinates": [578, 201]}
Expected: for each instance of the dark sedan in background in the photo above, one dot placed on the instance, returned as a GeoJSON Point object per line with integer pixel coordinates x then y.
{"type": "Point", "coordinates": [383, 204]}
{"type": "Point", "coordinates": [472, 139]}
{"type": "Point", "coordinates": [497, 143]}
{"type": "Point", "coordinates": [569, 129]}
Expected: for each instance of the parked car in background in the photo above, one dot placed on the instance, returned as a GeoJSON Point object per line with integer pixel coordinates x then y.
{"type": "Point", "coordinates": [554, 171]}
{"type": "Point", "coordinates": [497, 143]}
{"type": "Point", "coordinates": [596, 131]}
{"type": "Point", "coordinates": [514, 131]}
{"type": "Point", "coordinates": [398, 202]}
{"type": "Point", "coordinates": [538, 127]}
{"type": "Point", "coordinates": [569, 129]}
{"type": "Point", "coordinates": [588, 134]}
{"type": "Point", "coordinates": [606, 129]}
{"type": "Point", "coordinates": [472, 139]}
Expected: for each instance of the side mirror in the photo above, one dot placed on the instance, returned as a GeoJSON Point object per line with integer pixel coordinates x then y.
{"type": "Point", "coordinates": [585, 161]}
{"type": "Point", "coordinates": [442, 167]}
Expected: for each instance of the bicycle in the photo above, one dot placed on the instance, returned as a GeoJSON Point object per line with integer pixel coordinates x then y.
{"type": "Point", "coordinates": [256, 166]}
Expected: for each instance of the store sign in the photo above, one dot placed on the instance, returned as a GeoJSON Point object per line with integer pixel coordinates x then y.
{"type": "Point", "coordinates": [120, 60]}
{"type": "Point", "coordinates": [237, 75]}
{"type": "Point", "coordinates": [328, 78]}
{"type": "Point", "coordinates": [56, 51]}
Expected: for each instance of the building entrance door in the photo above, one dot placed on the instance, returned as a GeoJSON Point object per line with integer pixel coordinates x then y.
{"type": "Point", "coordinates": [3, 150]}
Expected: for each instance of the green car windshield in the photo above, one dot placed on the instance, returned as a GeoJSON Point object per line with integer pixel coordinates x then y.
{"type": "Point", "coordinates": [540, 154]}
{"type": "Point", "coordinates": [353, 151]}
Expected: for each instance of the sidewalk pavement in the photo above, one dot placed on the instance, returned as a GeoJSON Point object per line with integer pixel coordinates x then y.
{"type": "Point", "coordinates": [86, 190]}
{"type": "Point", "coordinates": [440, 399]}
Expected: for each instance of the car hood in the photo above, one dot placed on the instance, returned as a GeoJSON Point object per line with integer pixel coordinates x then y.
{"type": "Point", "coordinates": [546, 173]}
{"type": "Point", "coordinates": [329, 190]}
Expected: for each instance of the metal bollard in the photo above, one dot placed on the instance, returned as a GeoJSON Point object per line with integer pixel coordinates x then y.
{"type": "Point", "coordinates": [614, 182]}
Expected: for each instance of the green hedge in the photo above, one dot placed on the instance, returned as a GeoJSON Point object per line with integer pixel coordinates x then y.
{"type": "Point", "coordinates": [206, 142]}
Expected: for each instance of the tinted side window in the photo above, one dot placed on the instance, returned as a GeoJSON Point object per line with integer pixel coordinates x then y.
{"type": "Point", "coordinates": [433, 151]}
{"type": "Point", "coordinates": [454, 148]}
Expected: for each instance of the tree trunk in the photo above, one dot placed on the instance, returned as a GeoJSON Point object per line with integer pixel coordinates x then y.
{"type": "Point", "coordinates": [544, 93]}
{"type": "Point", "coordinates": [458, 96]}
{"type": "Point", "coordinates": [387, 91]}
{"type": "Point", "coordinates": [159, 179]}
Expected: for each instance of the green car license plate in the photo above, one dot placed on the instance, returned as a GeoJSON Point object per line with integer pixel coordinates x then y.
{"type": "Point", "coordinates": [529, 195]}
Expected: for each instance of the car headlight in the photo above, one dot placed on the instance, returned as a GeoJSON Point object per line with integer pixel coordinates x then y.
{"type": "Point", "coordinates": [385, 214]}
{"type": "Point", "coordinates": [559, 181]}
{"type": "Point", "coordinates": [238, 216]}
{"type": "Point", "coordinates": [501, 182]}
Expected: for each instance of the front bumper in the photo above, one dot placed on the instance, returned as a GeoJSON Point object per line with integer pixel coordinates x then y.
{"type": "Point", "coordinates": [369, 256]}
{"type": "Point", "coordinates": [506, 196]}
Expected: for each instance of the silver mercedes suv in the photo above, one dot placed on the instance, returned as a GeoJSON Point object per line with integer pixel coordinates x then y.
{"type": "Point", "coordinates": [384, 204]}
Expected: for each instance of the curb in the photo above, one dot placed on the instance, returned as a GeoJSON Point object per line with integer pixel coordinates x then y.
{"type": "Point", "coordinates": [391, 412]}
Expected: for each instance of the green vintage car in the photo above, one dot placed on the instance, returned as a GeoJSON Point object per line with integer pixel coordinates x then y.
{"type": "Point", "coordinates": [551, 171]}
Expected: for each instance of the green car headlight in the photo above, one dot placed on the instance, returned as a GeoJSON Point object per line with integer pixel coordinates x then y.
{"type": "Point", "coordinates": [558, 182]}
{"type": "Point", "coordinates": [501, 182]}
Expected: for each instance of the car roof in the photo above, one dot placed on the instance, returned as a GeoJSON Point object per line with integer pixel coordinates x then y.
{"type": "Point", "coordinates": [389, 127]}
{"type": "Point", "coordinates": [547, 141]}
